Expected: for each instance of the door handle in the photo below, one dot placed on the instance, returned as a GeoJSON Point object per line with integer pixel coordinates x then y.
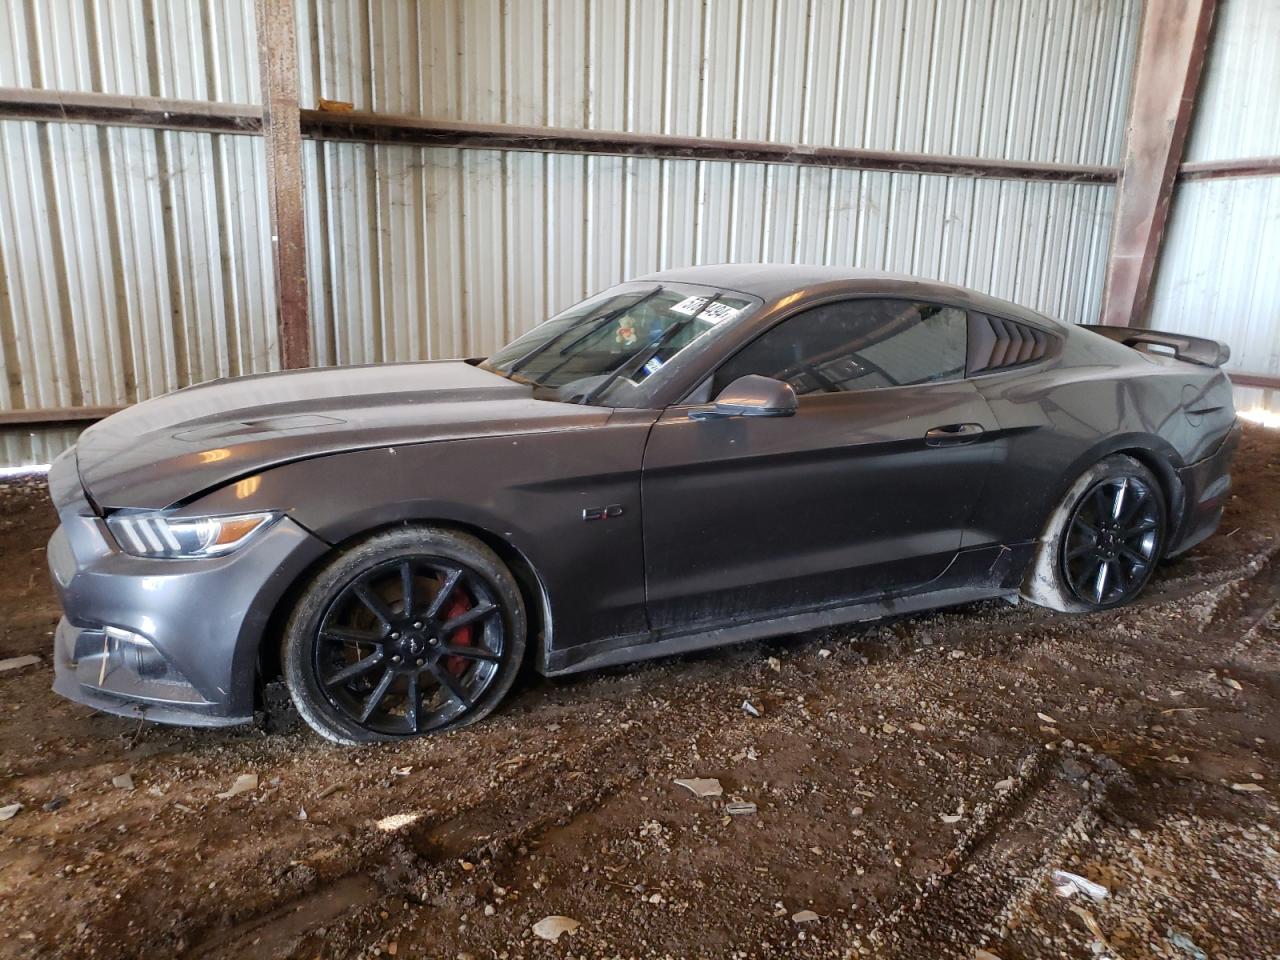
{"type": "Point", "coordinates": [953, 433]}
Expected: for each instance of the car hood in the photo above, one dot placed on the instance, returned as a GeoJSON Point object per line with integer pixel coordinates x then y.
{"type": "Point", "coordinates": [173, 448]}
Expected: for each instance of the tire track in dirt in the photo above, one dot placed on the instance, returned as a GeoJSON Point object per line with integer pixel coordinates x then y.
{"type": "Point", "coordinates": [419, 862]}
{"type": "Point", "coordinates": [995, 867]}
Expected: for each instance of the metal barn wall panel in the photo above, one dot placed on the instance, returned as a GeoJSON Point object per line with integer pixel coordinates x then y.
{"type": "Point", "coordinates": [1217, 274]}
{"type": "Point", "coordinates": [1039, 80]}
{"type": "Point", "coordinates": [184, 49]}
{"type": "Point", "coordinates": [1218, 271]}
{"type": "Point", "coordinates": [35, 445]}
{"type": "Point", "coordinates": [132, 262]}
{"type": "Point", "coordinates": [442, 252]}
{"type": "Point", "coordinates": [1236, 113]}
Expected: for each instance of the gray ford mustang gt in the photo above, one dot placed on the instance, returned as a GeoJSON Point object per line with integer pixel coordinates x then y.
{"type": "Point", "coordinates": [689, 459]}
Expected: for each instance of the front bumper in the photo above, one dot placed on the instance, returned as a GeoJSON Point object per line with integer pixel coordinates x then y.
{"type": "Point", "coordinates": [1206, 484]}
{"type": "Point", "coordinates": [95, 669]}
{"type": "Point", "coordinates": [170, 640]}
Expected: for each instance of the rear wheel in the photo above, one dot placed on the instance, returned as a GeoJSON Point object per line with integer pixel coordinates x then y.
{"type": "Point", "coordinates": [411, 631]}
{"type": "Point", "coordinates": [1102, 543]}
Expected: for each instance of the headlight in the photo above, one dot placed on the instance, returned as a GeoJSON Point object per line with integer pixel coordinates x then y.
{"type": "Point", "coordinates": [155, 535]}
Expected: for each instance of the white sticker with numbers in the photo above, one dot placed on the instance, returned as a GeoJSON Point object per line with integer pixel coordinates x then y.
{"type": "Point", "coordinates": [715, 313]}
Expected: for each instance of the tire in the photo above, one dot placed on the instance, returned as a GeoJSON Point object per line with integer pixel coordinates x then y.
{"type": "Point", "coordinates": [362, 666]}
{"type": "Point", "coordinates": [1066, 573]}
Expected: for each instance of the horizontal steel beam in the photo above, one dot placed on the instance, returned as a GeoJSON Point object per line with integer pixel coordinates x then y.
{"type": "Point", "coordinates": [1224, 169]}
{"type": "Point", "coordinates": [1263, 380]}
{"type": "Point", "coordinates": [362, 127]}
{"type": "Point", "coordinates": [119, 111]}
{"type": "Point", "coordinates": [52, 416]}
{"type": "Point", "coordinates": [378, 128]}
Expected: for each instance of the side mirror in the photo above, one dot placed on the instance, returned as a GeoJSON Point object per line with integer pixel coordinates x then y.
{"type": "Point", "coordinates": [750, 396]}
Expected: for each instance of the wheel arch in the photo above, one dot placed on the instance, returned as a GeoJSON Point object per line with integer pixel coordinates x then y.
{"type": "Point", "coordinates": [1153, 452]}
{"type": "Point", "coordinates": [1170, 486]}
{"type": "Point", "coordinates": [532, 589]}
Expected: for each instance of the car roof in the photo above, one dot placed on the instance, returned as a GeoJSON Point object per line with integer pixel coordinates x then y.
{"type": "Point", "coordinates": [773, 281]}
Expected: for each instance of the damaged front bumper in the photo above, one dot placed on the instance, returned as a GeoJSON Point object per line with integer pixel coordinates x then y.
{"type": "Point", "coordinates": [170, 640]}
{"type": "Point", "coordinates": [121, 672]}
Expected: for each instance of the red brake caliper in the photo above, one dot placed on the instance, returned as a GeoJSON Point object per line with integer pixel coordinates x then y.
{"type": "Point", "coordinates": [462, 638]}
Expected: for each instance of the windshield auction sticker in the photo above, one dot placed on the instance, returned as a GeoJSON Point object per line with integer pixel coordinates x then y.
{"type": "Point", "coordinates": [715, 313]}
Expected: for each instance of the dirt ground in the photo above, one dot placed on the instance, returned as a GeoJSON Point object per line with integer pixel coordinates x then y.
{"type": "Point", "coordinates": [915, 786]}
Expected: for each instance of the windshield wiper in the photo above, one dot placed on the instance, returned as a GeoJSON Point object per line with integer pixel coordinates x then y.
{"type": "Point", "coordinates": [542, 348]}
{"type": "Point", "coordinates": [610, 316]}
{"type": "Point", "coordinates": [648, 352]}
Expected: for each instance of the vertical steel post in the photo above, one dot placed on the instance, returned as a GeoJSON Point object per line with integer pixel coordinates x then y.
{"type": "Point", "coordinates": [278, 64]}
{"type": "Point", "coordinates": [1171, 54]}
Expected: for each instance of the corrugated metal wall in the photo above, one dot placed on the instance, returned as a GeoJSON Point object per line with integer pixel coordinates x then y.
{"type": "Point", "coordinates": [447, 252]}
{"type": "Point", "coordinates": [134, 261]}
{"type": "Point", "coordinates": [185, 49]}
{"type": "Point", "coordinates": [433, 252]}
{"type": "Point", "coordinates": [1012, 79]}
{"type": "Point", "coordinates": [1219, 272]}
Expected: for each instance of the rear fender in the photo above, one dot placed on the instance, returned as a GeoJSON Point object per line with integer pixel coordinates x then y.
{"type": "Point", "coordinates": [1155, 453]}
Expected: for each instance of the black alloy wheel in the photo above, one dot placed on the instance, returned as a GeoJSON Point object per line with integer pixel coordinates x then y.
{"type": "Point", "coordinates": [1113, 541]}
{"type": "Point", "coordinates": [409, 646]}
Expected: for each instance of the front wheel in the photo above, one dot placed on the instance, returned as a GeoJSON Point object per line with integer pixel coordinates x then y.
{"type": "Point", "coordinates": [410, 631]}
{"type": "Point", "coordinates": [1101, 545]}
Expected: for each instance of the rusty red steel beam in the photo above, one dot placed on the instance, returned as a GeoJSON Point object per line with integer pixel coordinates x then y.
{"type": "Point", "coordinates": [246, 119]}
{"type": "Point", "coordinates": [52, 416]}
{"type": "Point", "coordinates": [363, 127]}
{"type": "Point", "coordinates": [1264, 380]}
{"type": "Point", "coordinates": [107, 109]}
{"type": "Point", "coordinates": [1225, 169]}
{"type": "Point", "coordinates": [278, 57]}
{"type": "Point", "coordinates": [1172, 46]}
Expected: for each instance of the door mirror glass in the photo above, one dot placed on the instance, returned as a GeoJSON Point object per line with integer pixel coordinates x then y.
{"type": "Point", "coordinates": [750, 396]}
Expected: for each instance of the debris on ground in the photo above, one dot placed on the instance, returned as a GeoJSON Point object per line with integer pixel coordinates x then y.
{"type": "Point", "coordinates": [17, 663]}
{"type": "Point", "coordinates": [550, 928]}
{"type": "Point", "coordinates": [245, 783]}
{"type": "Point", "coordinates": [123, 781]}
{"type": "Point", "coordinates": [1068, 884]}
{"type": "Point", "coordinates": [10, 811]}
{"type": "Point", "coordinates": [701, 786]}
{"type": "Point", "coordinates": [1187, 945]}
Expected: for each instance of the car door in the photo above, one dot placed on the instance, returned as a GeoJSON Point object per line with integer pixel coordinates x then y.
{"type": "Point", "coordinates": [866, 489]}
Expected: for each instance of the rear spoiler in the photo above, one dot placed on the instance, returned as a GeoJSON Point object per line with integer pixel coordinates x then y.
{"type": "Point", "coordinates": [1207, 353]}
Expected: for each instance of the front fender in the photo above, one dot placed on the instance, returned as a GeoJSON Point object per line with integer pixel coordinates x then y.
{"type": "Point", "coordinates": [527, 492]}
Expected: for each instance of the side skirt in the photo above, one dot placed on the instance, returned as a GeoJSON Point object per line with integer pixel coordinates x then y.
{"type": "Point", "coordinates": [983, 573]}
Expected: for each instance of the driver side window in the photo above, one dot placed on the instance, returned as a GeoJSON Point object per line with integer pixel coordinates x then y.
{"type": "Point", "coordinates": [862, 344]}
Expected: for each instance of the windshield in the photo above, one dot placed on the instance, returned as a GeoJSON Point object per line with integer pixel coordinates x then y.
{"type": "Point", "coordinates": [603, 349]}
